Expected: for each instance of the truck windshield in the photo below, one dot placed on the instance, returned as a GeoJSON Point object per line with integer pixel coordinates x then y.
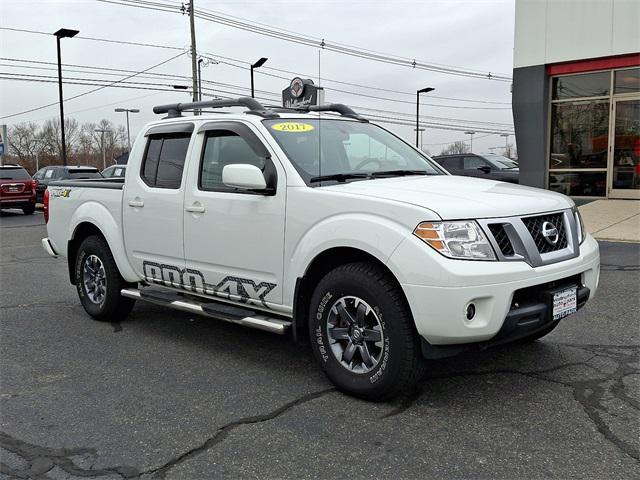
{"type": "Point", "coordinates": [332, 150]}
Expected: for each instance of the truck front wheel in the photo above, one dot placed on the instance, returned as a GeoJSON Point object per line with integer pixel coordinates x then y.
{"type": "Point", "coordinates": [362, 332]}
{"type": "Point", "coordinates": [99, 283]}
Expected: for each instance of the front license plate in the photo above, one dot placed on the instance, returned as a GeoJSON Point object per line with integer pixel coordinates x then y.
{"type": "Point", "coordinates": [565, 302]}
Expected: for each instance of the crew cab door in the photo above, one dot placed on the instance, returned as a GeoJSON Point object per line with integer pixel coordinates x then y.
{"type": "Point", "coordinates": [153, 205]}
{"type": "Point", "coordinates": [234, 238]}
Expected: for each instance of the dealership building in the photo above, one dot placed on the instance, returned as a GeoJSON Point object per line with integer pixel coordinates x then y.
{"type": "Point", "coordinates": [576, 96]}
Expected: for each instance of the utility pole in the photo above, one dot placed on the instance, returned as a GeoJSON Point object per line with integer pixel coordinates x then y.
{"type": "Point", "coordinates": [194, 55]}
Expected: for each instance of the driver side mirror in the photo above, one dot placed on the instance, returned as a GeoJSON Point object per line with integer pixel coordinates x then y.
{"type": "Point", "coordinates": [485, 169]}
{"type": "Point", "coordinates": [243, 176]}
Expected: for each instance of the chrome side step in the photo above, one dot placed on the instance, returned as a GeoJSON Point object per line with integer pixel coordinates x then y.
{"type": "Point", "coordinates": [219, 311]}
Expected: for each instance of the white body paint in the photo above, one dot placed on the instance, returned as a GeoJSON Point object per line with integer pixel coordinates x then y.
{"type": "Point", "coordinates": [272, 240]}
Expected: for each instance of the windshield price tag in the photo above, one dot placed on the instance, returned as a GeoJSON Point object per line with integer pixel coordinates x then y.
{"type": "Point", "coordinates": [294, 127]}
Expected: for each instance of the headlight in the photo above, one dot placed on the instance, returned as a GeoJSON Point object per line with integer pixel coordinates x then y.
{"type": "Point", "coordinates": [582, 233]}
{"type": "Point", "coordinates": [463, 239]}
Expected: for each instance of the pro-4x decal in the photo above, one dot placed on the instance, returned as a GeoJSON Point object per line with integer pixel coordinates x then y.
{"type": "Point", "coordinates": [239, 289]}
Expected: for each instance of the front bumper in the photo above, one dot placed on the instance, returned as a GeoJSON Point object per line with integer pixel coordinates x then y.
{"type": "Point", "coordinates": [440, 302]}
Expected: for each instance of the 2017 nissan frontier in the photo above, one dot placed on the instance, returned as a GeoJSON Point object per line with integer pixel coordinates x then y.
{"type": "Point", "coordinates": [317, 223]}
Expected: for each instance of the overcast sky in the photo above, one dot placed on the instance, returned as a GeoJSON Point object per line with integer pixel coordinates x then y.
{"type": "Point", "coordinates": [473, 34]}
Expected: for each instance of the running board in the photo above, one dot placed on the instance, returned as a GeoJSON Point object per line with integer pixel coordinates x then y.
{"type": "Point", "coordinates": [220, 311]}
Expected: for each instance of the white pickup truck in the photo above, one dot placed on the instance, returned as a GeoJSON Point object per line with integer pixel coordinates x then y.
{"type": "Point", "coordinates": [326, 227]}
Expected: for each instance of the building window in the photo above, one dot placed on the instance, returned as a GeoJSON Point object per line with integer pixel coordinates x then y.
{"type": "Point", "coordinates": [581, 85]}
{"type": "Point", "coordinates": [579, 135]}
{"type": "Point", "coordinates": [594, 137]}
{"type": "Point", "coordinates": [627, 81]}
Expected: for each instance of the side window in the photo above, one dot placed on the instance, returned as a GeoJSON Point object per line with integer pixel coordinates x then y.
{"type": "Point", "coordinates": [221, 148]}
{"type": "Point", "coordinates": [108, 172]}
{"type": "Point", "coordinates": [472, 163]}
{"type": "Point", "coordinates": [164, 160]}
{"type": "Point", "coordinates": [48, 174]}
{"type": "Point", "coordinates": [451, 163]}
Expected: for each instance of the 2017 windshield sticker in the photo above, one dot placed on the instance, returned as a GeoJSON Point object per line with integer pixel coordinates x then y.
{"type": "Point", "coordinates": [294, 127]}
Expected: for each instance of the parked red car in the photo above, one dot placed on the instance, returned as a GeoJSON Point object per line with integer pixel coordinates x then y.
{"type": "Point", "coordinates": [17, 189]}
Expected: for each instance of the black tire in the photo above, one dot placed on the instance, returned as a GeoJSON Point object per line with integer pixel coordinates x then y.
{"type": "Point", "coordinates": [400, 364]}
{"type": "Point", "coordinates": [542, 333]}
{"type": "Point", "coordinates": [113, 307]}
{"type": "Point", "coordinates": [29, 210]}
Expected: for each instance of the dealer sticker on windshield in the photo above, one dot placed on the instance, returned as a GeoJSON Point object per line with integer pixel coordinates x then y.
{"type": "Point", "coordinates": [294, 127]}
{"type": "Point", "coordinates": [565, 302]}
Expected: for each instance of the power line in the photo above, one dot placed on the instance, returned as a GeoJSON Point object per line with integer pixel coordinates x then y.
{"type": "Point", "coordinates": [377, 117]}
{"type": "Point", "coordinates": [222, 59]}
{"type": "Point", "coordinates": [94, 90]}
{"type": "Point", "coordinates": [310, 41]}
{"type": "Point", "coordinates": [469, 123]}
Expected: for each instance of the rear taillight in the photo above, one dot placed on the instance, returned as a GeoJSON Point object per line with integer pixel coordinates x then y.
{"type": "Point", "coordinates": [45, 208]}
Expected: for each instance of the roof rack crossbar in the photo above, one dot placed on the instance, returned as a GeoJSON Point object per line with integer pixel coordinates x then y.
{"type": "Point", "coordinates": [340, 108]}
{"type": "Point", "coordinates": [255, 108]}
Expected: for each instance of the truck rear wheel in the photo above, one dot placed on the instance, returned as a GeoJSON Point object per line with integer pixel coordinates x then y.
{"type": "Point", "coordinates": [362, 333]}
{"type": "Point", "coordinates": [99, 283]}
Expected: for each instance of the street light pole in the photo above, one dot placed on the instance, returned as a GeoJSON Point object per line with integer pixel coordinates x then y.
{"type": "Point", "coordinates": [421, 130]}
{"type": "Point", "coordinates": [506, 142]}
{"type": "Point", "coordinates": [102, 131]}
{"type": "Point", "coordinates": [258, 64]}
{"type": "Point", "coordinates": [423, 90]}
{"type": "Point", "coordinates": [62, 33]}
{"type": "Point", "coordinates": [471, 134]}
{"type": "Point", "coordinates": [128, 110]}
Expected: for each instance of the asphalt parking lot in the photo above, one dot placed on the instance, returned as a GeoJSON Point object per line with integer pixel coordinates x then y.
{"type": "Point", "coordinates": [167, 395]}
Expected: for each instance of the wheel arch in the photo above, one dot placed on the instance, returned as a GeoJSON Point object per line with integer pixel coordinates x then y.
{"type": "Point", "coordinates": [85, 229]}
{"type": "Point", "coordinates": [322, 264]}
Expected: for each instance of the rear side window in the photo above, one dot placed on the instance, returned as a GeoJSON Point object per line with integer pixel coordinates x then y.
{"type": "Point", "coordinates": [452, 163]}
{"type": "Point", "coordinates": [164, 160]}
{"type": "Point", "coordinates": [14, 174]}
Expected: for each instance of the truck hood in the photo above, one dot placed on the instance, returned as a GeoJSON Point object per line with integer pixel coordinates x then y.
{"type": "Point", "coordinates": [454, 197]}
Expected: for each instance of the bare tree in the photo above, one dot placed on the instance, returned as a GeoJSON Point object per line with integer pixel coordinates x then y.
{"type": "Point", "coordinates": [51, 136]}
{"type": "Point", "coordinates": [455, 147]}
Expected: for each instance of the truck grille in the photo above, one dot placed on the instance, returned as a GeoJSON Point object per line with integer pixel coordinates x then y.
{"type": "Point", "coordinates": [535, 227]}
{"type": "Point", "coordinates": [502, 239]}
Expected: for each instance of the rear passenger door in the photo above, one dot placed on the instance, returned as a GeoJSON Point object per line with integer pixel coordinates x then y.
{"type": "Point", "coordinates": [153, 206]}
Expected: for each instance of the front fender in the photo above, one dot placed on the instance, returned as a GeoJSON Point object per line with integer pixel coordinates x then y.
{"type": "Point", "coordinates": [375, 235]}
{"type": "Point", "coordinates": [102, 218]}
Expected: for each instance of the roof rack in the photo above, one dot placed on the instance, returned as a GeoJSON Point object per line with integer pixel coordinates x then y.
{"type": "Point", "coordinates": [340, 108]}
{"type": "Point", "coordinates": [255, 108]}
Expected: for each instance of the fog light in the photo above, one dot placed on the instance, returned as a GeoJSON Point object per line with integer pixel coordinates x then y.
{"type": "Point", "coordinates": [471, 311]}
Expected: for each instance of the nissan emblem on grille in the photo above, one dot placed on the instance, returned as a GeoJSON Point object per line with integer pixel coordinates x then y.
{"type": "Point", "coordinates": [550, 233]}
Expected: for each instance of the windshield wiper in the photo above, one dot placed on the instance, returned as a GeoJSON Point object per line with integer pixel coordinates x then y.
{"type": "Point", "coordinates": [339, 177]}
{"type": "Point", "coordinates": [399, 173]}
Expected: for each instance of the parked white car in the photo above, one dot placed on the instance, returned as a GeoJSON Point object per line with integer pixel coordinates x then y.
{"type": "Point", "coordinates": [329, 228]}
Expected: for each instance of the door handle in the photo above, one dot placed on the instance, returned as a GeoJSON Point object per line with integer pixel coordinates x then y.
{"type": "Point", "coordinates": [136, 202]}
{"type": "Point", "coordinates": [195, 208]}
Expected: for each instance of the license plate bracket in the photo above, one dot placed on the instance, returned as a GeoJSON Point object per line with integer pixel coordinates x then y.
{"type": "Point", "coordinates": [563, 302]}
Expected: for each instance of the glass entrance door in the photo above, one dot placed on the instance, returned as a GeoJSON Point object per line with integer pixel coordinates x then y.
{"type": "Point", "coordinates": [624, 160]}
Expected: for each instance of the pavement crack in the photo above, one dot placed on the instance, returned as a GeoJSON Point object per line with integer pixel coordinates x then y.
{"type": "Point", "coordinates": [619, 268]}
{"type": "Point", "coordinates": [36, 304]}
{"type": "Point", "coordinates": [40, 460]}
{"type": "Point", "coordinates": [223, 432]}
{"type": "Point", "coordinates": [588, 393]}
